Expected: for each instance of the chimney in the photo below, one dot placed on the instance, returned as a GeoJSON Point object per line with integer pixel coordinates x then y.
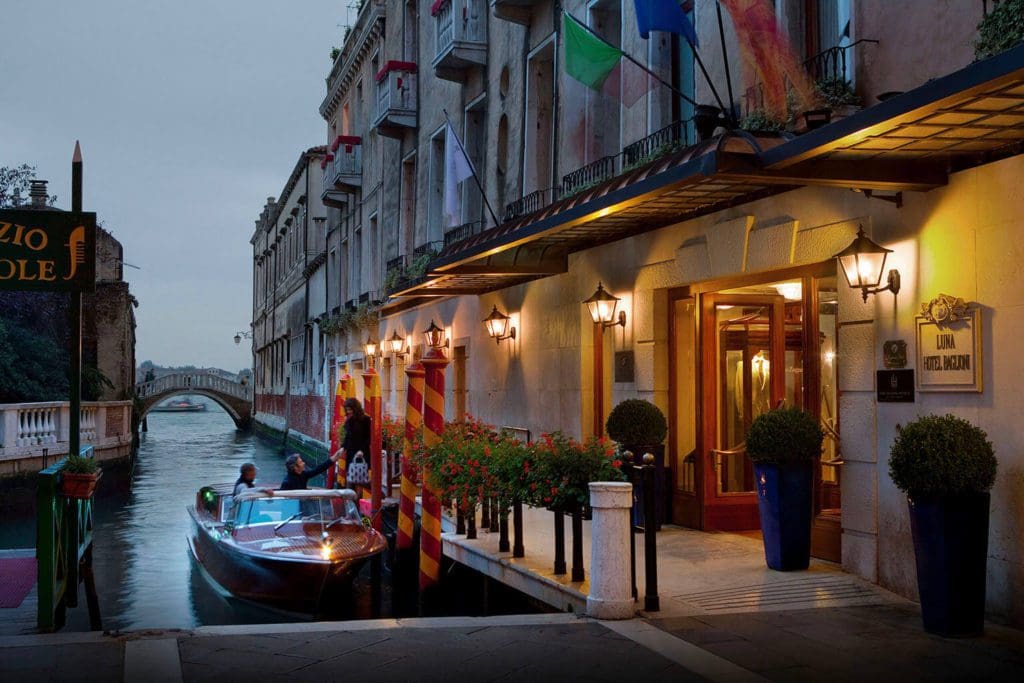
{"type": "Point", "coordinates": [38, 193]}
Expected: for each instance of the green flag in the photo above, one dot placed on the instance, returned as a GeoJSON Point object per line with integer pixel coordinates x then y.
{"type": "Point", "coordinates": [588, 59]}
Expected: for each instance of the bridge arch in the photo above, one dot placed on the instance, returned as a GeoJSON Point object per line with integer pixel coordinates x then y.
{"type": "Point", "coordinates": [233, 396]}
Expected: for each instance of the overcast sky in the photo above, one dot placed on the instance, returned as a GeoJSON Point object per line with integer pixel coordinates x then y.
{"type": "Point", "coordinates": [190, 114]}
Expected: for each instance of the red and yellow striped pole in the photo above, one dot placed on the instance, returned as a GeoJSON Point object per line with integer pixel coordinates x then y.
{"type": "Point", "coordinates": [337, 416]}
{"type": "Point", "coordinates": [413, 423]}
{"type": "Point", "coordinates": [372, 406]}
{"type": "Point", "coordinates": [433, 424]}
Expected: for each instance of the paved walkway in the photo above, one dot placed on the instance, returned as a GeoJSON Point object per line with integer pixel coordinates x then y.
{"type": "Point", "coordinates": [875, 643]}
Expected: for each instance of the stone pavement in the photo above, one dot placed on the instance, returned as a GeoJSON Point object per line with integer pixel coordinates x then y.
{"type": "Point", "coordinates": [878, 643]}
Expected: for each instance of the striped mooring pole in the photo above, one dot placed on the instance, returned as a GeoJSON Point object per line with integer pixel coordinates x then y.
{"type": "Point", "coordinates": [433, 424]}
{"type": "Point", "coordinates": [372, 406]}
{"type": "Point", "coordinates": [413, 424]}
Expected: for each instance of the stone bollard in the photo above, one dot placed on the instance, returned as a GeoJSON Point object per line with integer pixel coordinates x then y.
{"type": "Point", "coordinates": [611, 594]}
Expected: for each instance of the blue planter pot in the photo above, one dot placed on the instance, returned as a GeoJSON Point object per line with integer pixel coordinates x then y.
{"type": "Point", "coordinates": [951, 549]}
{"type": "Point", "coordinates": [784, 503]}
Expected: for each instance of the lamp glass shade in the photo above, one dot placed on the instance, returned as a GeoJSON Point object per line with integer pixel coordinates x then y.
{"type": "Point", "coordinates": [497, 324]}
{"type": "Point", "coordinates": [370, 346]}
{"type": "Point", "coordinates": [397, 342]}
{"type": "Point", "coordinates": [434, 336]}
{"type": "Point", "coordinates": [863, 262]}
{"type": "Point", "coordinates": [602, 305]}
{"type": "Point", "coordinates": [238, 339]}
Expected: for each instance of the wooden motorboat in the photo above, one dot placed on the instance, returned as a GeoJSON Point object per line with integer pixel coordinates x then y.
{"type": "Point", "coordinates": [296, 550]}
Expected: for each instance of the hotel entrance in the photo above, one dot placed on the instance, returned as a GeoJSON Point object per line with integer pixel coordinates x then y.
{"type": "Point", "coordinates": [740, 347]}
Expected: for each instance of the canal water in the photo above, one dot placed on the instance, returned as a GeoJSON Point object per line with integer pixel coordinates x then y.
{"type": "Point", "coordinates": [145, 576]}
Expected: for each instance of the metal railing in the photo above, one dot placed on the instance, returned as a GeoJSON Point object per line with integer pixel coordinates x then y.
{"type": "Point", "coordinates": [396, 263]}
{"type": "Point", "coordinates": [535, 201]}
{"type": "Point", "coordinates": [430, 248]}
{"type": "Point", "coordinates": [461, 232]}
{"type": "Point", "coordinates": [396, 92]}
{"type": "Point", "coordinates": [590, 175]}
{"type": "Point", "coordinates": [832, 63]}
{"type": "Point", "coordinates": [444, 25]}
{"type": "Point", "coordinates": [672, 137]}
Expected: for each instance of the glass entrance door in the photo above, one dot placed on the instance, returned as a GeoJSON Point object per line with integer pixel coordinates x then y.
{"type": "Point", "coordinates": [747, 369]}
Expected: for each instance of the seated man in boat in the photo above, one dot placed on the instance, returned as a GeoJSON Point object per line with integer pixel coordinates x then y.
{"type": "Point", "coordinates": [246, 479]}
{"type": "Point", "coordinates": [298, 476]}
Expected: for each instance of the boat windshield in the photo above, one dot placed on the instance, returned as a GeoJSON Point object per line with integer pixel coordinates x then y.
{"type": "Point", "coordinates": [280, 510]}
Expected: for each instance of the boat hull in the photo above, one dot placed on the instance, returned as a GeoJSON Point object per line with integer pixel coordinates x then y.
{"type": "Point", "coordinates": [284, 582]}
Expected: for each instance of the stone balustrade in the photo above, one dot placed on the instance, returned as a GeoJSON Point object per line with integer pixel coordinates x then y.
{"type": "Point", "coordinates": [33, 432]}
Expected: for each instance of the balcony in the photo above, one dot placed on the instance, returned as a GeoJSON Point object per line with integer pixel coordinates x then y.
{"type": "Point", "coordinates": [460, 37]}
{"type": "Point", "coordinates": [396, 99]}
{"type": "Point", "coordinates": [346, 170]}
{"type": "Point", "coordinates": [330, 195]}
{"type": "Point", "coordinates": [516, 11]}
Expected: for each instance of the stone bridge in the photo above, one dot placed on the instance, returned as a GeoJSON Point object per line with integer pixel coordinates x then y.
{"type": "Point", "coordinates": [234, 397]}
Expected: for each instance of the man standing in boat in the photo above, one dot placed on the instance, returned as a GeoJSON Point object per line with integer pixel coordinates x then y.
{"type": "Point", "coordinates": [298, 476]}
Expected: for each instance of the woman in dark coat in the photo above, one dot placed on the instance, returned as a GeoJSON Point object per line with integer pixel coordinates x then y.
{"type": "Point", "coordinates": [357, 433]}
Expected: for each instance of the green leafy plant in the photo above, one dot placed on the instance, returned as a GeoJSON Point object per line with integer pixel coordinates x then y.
{"type": "Point", "coordinates": [939, 455]}
{"type": "Point", "coordinates": [365, 317]}
{"type": "Point", "coordinates": [760, 120]}
{"type": "Point", "coordinates": [76, 464]}
{"type": "Point", "coordinates": [1001, 29]}
{"type": "Point", "coordinates": [334, 54]}
{"type": "Point", "coordinates": [562, 469]}
{"type": "Point", "coordinates": [636, 422]}
{"type": "Point", "coordinates": [784, 435]}
{"type": "Point", "coordinates": [418, 266]}
{"type": "Point", "coordinates": [836, 92]}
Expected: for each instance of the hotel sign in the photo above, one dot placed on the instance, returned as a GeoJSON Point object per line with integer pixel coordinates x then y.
{"type": "Point", "coordinates": [48, 251]}
{"type": "Point", "coordinates": [949, 346]}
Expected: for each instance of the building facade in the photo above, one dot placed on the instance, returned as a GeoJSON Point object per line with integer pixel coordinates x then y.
{"type": "Point", "coordinates": [718, 246]}
{"type": "Point", "coordinates": [289, 299]}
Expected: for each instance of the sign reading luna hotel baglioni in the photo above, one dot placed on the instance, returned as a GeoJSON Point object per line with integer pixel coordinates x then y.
{"type": "Point", "coordinates": [48, 251]}
{"type": "Point", "coordinates": [949, 346]}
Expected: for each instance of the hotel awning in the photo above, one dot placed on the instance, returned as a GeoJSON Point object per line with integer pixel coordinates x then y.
{"type": "Point", "coordinates": [910, 142]}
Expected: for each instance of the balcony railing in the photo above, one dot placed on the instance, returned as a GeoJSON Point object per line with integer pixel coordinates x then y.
{"type": "Point", "coordinates": [667, 140]}
{"type": "Point", "coordinates": [460, 37]}
{"type": "Point", "coordinates": [672, 137]}
{"type": "Point", "coordinates": [396, 98]}
{"type": "Point", "coordinates": [535, 201]}
{"type": "Point", "coordinates": [329, 194]}
{"type": "Point", "coordinates": [833, 62]}
{"type": "Point", "coordinates": [590, 175]}
{"type": "Point", "coordinates": [346, 170]}
{"type": "Point", "coordinates": [461, 232]}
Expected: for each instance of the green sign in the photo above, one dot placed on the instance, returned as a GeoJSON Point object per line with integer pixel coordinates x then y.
{"type": "Point", "coordinates": [49, 251]}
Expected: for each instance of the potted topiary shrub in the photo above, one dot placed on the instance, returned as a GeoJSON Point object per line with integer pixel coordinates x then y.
{"type": "Point", "coordinates": [946, 466]}
{"type": "Point", "coordinates": [79, 476]}
{"type": "Point", "coordinates": [640, 427]}
{"type": "Point", "coordinates": [785, 444]}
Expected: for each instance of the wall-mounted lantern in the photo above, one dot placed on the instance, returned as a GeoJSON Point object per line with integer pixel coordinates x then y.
{"type": "Point", "coordinates": [370, 347]}
{"type": "Point", "coordinates": [242, 334]}
{"type": "Point", "coordinates": [499, 326]}
{"type": "Point", "coordinates": [602, 308]}
{"type": "Point", "coordinates": [396, 343]}
{"type": "Point", "coordinates": [863, 263]}
{"type": "Point", "coordinates": [435, 336]}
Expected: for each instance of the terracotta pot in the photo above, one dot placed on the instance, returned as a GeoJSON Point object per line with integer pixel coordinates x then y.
{"type": "Point", "coordinates": [81, 486]}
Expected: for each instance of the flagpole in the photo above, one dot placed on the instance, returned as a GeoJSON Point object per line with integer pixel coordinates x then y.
{"type": "Point", "coordinates": [625, 54]}
{"type": "Point", "coordinates": [472, 169]}
{"type": "Point", "coordinates": [661, 80]}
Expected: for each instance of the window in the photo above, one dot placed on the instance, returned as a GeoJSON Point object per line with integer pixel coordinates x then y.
{"type": "Point", "coordinates": [605, 113]}
{"type": "Point", "coordinates": [435, 206]}
{"type": "Point", "coordinates": [538, 163]}
{"type": "Point", "coordinates": [475, 138]}
{"type": "Point", "coordinates": [409, 31]}
{"type": "Point", "coordinates": [408, 206]}
{"type": "Point", "coordinates": [373, 257]}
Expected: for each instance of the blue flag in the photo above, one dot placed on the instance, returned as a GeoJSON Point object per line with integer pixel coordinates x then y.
{"type": "Point", "coordinates": [663, 15]}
